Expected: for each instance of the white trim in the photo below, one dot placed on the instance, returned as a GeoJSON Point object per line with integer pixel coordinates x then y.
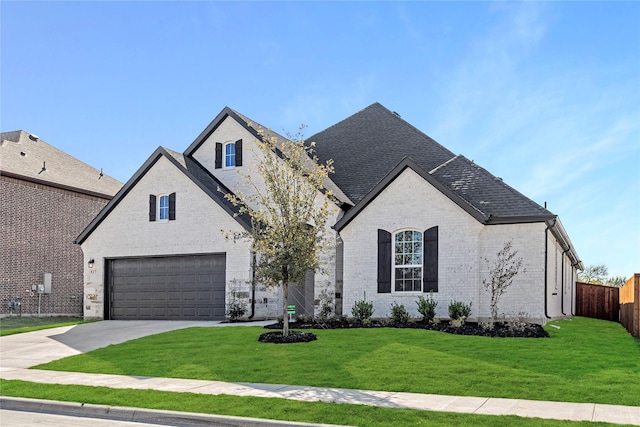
{"type": "Point", "coordinates": [394, 265]}
{"type": "Point", "coordinates": [224, 154]}
{"type": "Point", "coordinates": [159, 207]}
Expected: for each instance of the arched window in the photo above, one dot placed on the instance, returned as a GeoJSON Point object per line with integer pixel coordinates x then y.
{"type": "Point", "coordinates": [230, 155]}
{"type": "Point", "coordinates": [407, 261]}
{"type": "Point", "coordinates": [163, 208]}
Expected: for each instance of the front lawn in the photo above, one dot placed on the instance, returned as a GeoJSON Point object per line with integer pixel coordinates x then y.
{"type": "Point", "coordinates": [270, 408]}
{"type": "Point", "coordinates": [586, 360]}
{"type": "Point", "coordinates": [19, 324]}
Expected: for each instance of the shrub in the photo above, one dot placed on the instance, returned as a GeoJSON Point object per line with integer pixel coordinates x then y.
{"type": "Point", "coordinates": [362, 310]}
{"type": "Point", "coordinates": [459, 310]}
{"type": "Point", "coordinates": [427, 307]}
{"type": "Point", "coordinates": [304, 319]}
{"type": "Point", "coordinates": [326, 305]}
{"type": "Point", "coordinates": [236, 309]}
{"type": "Point", "coordinates": [399, 314]}
{"type": "Point", "coordinates": [518, 323]}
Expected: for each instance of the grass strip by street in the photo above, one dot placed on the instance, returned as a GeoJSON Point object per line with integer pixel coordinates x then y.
{"type": "Point", "coordinates": [270, 408]}
{"type": "Point", "coordinates": [19, 324]}
{"type": "Point", "coordinates": [585, 360]}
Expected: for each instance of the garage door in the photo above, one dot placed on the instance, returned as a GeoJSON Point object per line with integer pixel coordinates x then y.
{"type": "Point", "coordinates": [167, 288]}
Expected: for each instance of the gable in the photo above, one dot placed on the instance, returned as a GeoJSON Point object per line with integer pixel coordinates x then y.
{"type": "Point", "coordinates": [188, 168]}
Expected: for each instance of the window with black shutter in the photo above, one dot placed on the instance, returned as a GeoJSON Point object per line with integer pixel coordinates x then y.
{"type": "Point", "coordinates": [218, 155]}
{"type": "Point", "coordinates": [172, 206]}
{"type": "Point", "coordinates": [152, 207]}
{"type": "Point", "coordinates": [239, 152]}
{"type": "Point", "coordinates": [430, 275]}
{"type": "Point", "coordinates": [384, 261]}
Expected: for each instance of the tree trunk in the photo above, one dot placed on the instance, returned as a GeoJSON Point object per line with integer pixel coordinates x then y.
{"type": "Point", "coordinates": [285, 309]}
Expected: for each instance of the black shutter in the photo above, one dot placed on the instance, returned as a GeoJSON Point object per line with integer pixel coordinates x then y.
{"type": "Point", "coordinates": [239, 152]}
{"type": "Point", "coordinates": [152, 207]}
{"type": "Point", "coordinates": [384, 261]}
{"type": "Point", "coordinates": [172, 206]}
{"type": "Point", "coordinates": [218, 155]}
{"type": "Point", "coordinates": [430, 257]}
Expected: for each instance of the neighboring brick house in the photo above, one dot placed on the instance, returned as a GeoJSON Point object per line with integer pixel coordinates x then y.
{"type": "Point", "coordinates": [410, 218]}
{"type": "Point", "coordinates": [47, 198]}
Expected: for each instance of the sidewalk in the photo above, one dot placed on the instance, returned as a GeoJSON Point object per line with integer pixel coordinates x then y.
{"type": "Point", "coordinates": [13, 367]}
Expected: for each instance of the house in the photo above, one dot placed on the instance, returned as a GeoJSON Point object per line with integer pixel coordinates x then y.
{"type": "Point", "coordinates": [409, 218]}
{"type": "Point", "coordinates": [48, 197]}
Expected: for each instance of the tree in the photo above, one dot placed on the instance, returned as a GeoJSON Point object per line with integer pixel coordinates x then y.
{"type": "Point", "coordinates": [501, 273]}
{"type": "Point", "coordinates": [287, 210]}
{"type": "Point", "coordinates": [594, 274]}
{"type": "Point", "coordinates": [617, 281]}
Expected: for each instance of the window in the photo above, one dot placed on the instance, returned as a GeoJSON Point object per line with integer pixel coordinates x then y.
{"type": "Point", "coordinates": [230, 155]}
{"type": "Point", "coordinates": [408, 260]}
{"type": "Point", "coordinates": [162, 208]}
{"type": "Point", "coordinates": [407, 255]}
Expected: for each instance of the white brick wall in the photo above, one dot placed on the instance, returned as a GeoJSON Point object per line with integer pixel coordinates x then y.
{"type": "Point", "coordinates": [236, 179]}
{"type": "Point", "coordinates": [411, 202]}
{"type": "Point", "coordinates": [127, 232]}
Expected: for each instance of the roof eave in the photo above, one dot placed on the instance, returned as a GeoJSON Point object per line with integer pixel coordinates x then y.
{"type": "Point", "coordinates": [55, 185]}
{"type": "Point", "coordinates": [522, 219]}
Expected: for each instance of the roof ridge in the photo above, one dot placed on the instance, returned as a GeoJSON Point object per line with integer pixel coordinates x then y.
{"type": "Point", "coordinates": [351, 115]}
{"type": "Point", "coordinates": [444, 164]}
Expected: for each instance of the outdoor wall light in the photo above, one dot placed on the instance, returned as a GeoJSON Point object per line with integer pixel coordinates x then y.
{"type": "Point", "coordinates": [91, 262]}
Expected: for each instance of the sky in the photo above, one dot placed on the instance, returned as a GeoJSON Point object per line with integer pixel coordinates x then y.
{"type": "Point", "coordinates": [545, 95]}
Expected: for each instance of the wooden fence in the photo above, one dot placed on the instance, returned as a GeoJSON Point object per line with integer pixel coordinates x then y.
{"type": "Point", "coordinates": [597, 301]}
{"type": "Point", "coordinates": [630, 305]}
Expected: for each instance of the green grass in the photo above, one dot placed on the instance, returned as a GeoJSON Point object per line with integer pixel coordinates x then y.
{"type": "Point", "coordinates": [18, 325]}
{"type": "Point", "coordinates": [586, 360]}
{"type": "Point", "coordinates": [278, 409]}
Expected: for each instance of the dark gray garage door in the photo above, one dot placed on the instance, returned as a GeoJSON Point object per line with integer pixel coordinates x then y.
{"type": "Point", "coordinates": [167, 288]}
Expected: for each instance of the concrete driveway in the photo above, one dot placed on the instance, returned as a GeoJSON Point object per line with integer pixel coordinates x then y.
{"type": "Point", "coordinates": [22, 351]}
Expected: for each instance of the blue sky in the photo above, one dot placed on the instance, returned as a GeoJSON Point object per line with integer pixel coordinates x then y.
{"type": "Point", "coordinates": [545, 95]}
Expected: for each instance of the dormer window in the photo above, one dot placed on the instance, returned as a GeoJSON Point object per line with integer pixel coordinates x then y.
{"type": "Point", "coordinates": [228, 154]}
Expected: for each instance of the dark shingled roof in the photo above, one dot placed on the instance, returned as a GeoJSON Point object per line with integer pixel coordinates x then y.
{"type": "Point", "coordinates": [369, 144]}
{"type": "Point", "coordinates": [486, 192]}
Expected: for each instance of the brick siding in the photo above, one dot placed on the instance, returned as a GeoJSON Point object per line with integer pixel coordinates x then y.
{"type": "Point", "coordinates": [39, 224]}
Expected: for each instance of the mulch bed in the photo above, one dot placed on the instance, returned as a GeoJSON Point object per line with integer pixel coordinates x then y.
{"type": "Point", "coordinates": [500, 330]}
{"type": "Point", "coordinates": [293, 337]}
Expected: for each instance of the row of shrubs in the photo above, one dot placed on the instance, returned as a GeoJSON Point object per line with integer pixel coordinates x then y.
{"type": "Point", "coordinates": [362, 310]}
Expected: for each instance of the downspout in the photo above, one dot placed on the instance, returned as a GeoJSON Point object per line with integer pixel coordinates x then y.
{"type": "Point", "coordinates": [562, 293]}
{"type": "Point", "coordinates": [573, 288]}
{"type": "Point", "coordinates": [546, 267]}
{"type": "Point", "coordinates": [253, 284]}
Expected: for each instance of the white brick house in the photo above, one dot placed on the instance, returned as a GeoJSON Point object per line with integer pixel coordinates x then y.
{"type": "Point", "coordinates": [158, 250]}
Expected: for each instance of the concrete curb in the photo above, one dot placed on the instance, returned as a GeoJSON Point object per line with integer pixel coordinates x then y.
{"type": "Point", "coordinates": [167, 418]}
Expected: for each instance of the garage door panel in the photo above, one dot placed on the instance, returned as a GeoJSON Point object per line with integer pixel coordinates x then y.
{"type": "Point", "coordinates": [180, 287]}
